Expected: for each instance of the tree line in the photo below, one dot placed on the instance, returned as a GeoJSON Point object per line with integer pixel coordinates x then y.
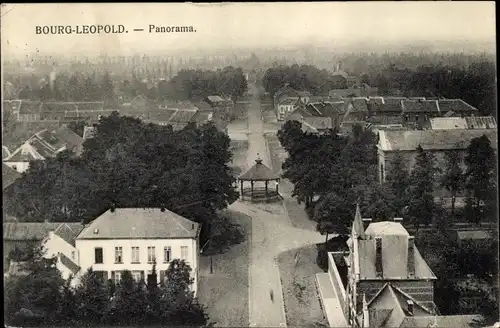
{"type": "Point", "coordinates": [129, 164]}
{"type": "Point", "coordinates": [303, 77]}
{"type": "Point", "coordinates": [331, 173]}
{"type": "Point", "coordinates": [474, 83]}
{"type": "Point", "coordinates": [188, 84]}
{"type": "Point", "coordinates": [44, 298]}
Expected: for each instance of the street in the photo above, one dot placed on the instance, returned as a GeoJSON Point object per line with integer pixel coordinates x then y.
{"type": "Point", "coordinates": [272, 234]}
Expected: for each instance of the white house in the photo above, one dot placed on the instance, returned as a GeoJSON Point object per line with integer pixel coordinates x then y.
{"type": "Point", "coordinates": [134, 239]}
{"type": "Point", "coordinates": [285, 107]}
{"type": "Point", "coordinates": [42, 145]}
{"type": "Point", "coordinates": [60, 243]}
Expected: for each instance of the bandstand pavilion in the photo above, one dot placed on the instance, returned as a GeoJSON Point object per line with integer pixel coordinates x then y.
{"type": "Point", "coordinates": [260, 174]}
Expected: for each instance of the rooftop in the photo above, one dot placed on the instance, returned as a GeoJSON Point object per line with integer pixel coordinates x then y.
{"type": "Point", "coordinates": [140, 223]}
{"type": "Point", "coordinates": [448, 123]}
{"type": "Point", "coordinates": [420, 106]}
{"type": "Point", "coordinates": [391, 140]}
{"type": "Point", "coordinates": [9, 175]}
{"type": "Point", "coordinates": [259, 172]}
{"type": "Point", "coordinates": [23, 231]}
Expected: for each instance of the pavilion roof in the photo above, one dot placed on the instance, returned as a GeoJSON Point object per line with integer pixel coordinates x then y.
{"type": "Point", "coordinates": [259, 172]}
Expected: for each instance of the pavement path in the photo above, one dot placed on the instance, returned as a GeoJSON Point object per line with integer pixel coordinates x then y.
{"type": "Point", "coordinates": [272, 234]}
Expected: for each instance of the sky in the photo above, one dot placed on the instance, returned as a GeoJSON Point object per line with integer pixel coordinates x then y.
{"type": "Point", "coordinates": [234, 25]}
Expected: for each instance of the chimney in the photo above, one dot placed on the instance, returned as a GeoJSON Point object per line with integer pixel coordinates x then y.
{"type": "Point", "coordinates": [162, 208]}
{"type": "Point", "coordinates": [409, 303]}
{"type": "Point", "coordinates": [378, 257]}
{"type": "Point", "coordinates": [399, 220]}
{"type": "Point", "coordinates": [411, 257]}
{"type": "Point", "coordinates": [113, 207]}
{"type": "Point", "coordinates": [192, 226]}
{"type": "Point", "coordinates": [366, 222]}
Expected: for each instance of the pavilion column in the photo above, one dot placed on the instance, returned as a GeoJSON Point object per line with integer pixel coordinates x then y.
{"type": "Point", "coordinates": [251, 189]}
{"type": "Point", "coordinates": [277, 186]}
{"type": "Point", "coordinates": [267, 198]}
{"type": "Point", "coordinates": [241, 188]}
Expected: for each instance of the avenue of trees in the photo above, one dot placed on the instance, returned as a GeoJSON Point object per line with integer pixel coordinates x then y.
{"type": "Point", "coordinates": [332, 173]}
{"type": "Point", "coordinates": [129, 164]}
{"type": "Point", "coordinates": [43, 298]}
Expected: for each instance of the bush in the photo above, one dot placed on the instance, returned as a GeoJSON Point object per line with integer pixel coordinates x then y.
{"type": "Point", "coordinates": [335, 244]}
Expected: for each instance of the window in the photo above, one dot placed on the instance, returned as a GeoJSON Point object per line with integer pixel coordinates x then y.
{"type": "Point", "coordinates": [98, 255]}
{"type": "Point", "coordinates": [167, 252]}
{"type": "Point", "coordinates": [137, 275]}
{"type": "Point", "coordinates": [151, 254]}
{"type": "Point", "coordinates": [184, 252]}
{"type": "Point", "coordinates": [118, 277]}
{"type": "Point", "coordinates": [73, 255]}
{"type": "Point", "coordinates": [135, 255]}
{"type": "Point", "coordinates": [118, 255]}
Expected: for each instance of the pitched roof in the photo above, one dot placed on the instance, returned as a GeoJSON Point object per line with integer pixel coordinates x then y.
{"type": "Point", "coordinates": [140, 223]}
{"type": "Point", "coordinates": [420, 106]}
{"type": "Point", "coordinates": [359, 104]}
{"type": "Point", "coordinates": [318, 123]}
{"type": "Point", "coordinates": [448, 123]}
{"type": "Point", "coordinates": [202, 116]}
{"type": "Point", "coordinates": [259, 172]}
{"type": "Point", "coordinates": [182, 116]}
{"type": "Point", "coordinates": [455, 321]}
{"type": "Point", "coordinates": [287, 101]}
{"type": "Point", "coordinates": [5, 152]}
{"type": "Point", "coordinates": [328, 108]}
{"type": "Point", "coordinates": [481, 122]}
{"type": "Point", "coordinates": [9, 175]}
{"type": "Point", "coordinates": [69, 231]}
{"type": "Point", "coordinates": [68, 263]}
{"type": "Point", "coordinates": [21, 231]}
{"type": "Point", "coordinates": [394, 253]}
{"type": "Point", "coordinates": [456, 105]}
{"type": "Point", "coordinates": [357, 224]}
{"type": "Point", "coordinates": [432, 139]}
{"type": "Point", "coordinates": [72, 139]}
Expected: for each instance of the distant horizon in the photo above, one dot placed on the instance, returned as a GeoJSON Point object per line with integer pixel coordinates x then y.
{"type": "Point", "coordinates": [227, 26]}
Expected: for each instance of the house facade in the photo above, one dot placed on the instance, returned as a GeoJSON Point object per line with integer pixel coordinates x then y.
{"type": "Point", "coordinates": [136, 239]}
{"type": "Point", "coordinates": [285, 107]}
{"type": "Point", "coordinates": [438, 142]}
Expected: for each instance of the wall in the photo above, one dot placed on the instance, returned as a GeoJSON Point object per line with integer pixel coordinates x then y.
{"type": "Point", "coordinates": [18, 166]}
{"type": "Point", "coordinates": [410, 158]}
{"type": "Point", "coordinates": [54, 245]}
{"type": "Point", "coordinates": [337, 282]}
{"type": "Point", "coordinates": [86, 251]}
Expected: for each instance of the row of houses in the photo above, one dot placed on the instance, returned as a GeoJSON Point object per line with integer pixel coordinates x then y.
{"type": "Point", "coordinates": [381, 281]}
{"type": "Point", "coordinates": [65, 112]}
{"type": "Point", "coordinates": [132, 239]}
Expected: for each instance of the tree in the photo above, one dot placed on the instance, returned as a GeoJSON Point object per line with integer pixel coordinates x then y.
{"type": "Point", "coordinates": [334, 214]}
{"type": "Point", "coordinates": [107, 89]}
{"type": "Point", "coordinates": [398, 180]}
{"type": "Point", "coordinates": [480, 176]}
{"type": "Point", "coordinates": [452, 178]}
{"type": "Point", "coordinates": [36, 295]}
{"type": "Point", "coordinates": [129, 304]}
{"type": "Point", "coordinates": [92, 298]}
{"type": "Point", "coordinates": [178, 302]}
{"type": "Point", "coordinates": [421, 205]}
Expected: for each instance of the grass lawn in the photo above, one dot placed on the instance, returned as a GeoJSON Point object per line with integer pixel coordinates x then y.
{"type": "Point", "coordinates": [225, 291]}
{"type": "Point", "coordinates": [301, 298]}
